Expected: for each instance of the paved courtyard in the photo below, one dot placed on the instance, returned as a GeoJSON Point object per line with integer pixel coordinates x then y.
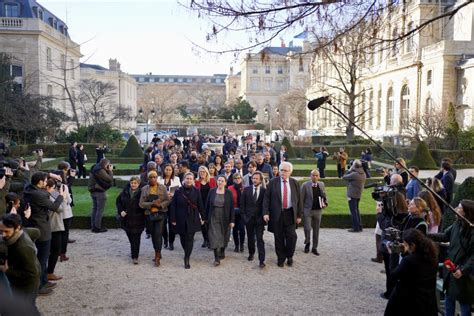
{"type": "Point", "coordinates": [99, 279]}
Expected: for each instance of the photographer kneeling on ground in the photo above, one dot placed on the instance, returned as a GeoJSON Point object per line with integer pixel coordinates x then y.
{"type": "Point", "coordinates": [415, 277]}
{"type": "Point", "coordinates": [22, 267]}
{"type": "Point", "coordinates": [100, 180]}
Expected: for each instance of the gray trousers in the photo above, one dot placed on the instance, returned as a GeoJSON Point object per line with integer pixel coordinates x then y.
{"type": "Point", "coordinates": [312, 221]}
{"type": "Point", "coordinates": [98, 207]}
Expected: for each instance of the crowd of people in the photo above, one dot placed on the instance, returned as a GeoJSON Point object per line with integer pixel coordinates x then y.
{"type": "Point", "coordinates": [233, 192]}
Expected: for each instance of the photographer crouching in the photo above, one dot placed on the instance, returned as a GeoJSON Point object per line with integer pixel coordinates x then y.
{"type": "Point", "coordinates": [394, 217]}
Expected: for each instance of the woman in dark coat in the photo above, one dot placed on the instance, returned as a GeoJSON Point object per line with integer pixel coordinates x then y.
{"type": "Point", "coordinates": [459, 285]}
{"type": "Point", "coordinates": [81, 161]}
{"type": "Point", "coordinates": [186, 215]}
{"type": "Point", "coordinates": [415, 290]}
{"type": "Point", "coordinates": [220, 218]}
{"type": "Point", "coordinates": [132, 216]}
{"type": "Point", "coordinates": [238, 231]}
{"type": "Point", "coordinates": [322, 155]}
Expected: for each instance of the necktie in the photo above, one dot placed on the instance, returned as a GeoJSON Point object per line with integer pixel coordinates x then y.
{"type": "Point", "coordinates": [255, 194]}
{"type": "Point", "coordinates": [285, 195]}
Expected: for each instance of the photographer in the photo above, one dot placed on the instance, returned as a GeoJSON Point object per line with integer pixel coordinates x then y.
{"type": "Point", "coordinates": [38, 198]}
{"type": "Point", "coordinates": [100, 180]}
{"type": "Point", "coordinates": [458, 281]}
{"type": "Point", "coordinates": [415, 277]}
{"type": "Point", "coordinates": [22, 267]}
{"type": "Point", "coordinates": [4, 188]}
{"type": "Point", "coordinates": [341, 158]}
{"type": "Point", "coordinates": [355, 185]}
{"type": "Point", "coordinates": [22, 176]}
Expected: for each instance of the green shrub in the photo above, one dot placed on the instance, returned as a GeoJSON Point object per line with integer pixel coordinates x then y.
{"type": "Point", "coordinates": [464, 191]}
{"type": "Point", "coordinates": [466, 139]}
{"type": "Point", "coordinates": [132, 149]}
{"type": "Point", "coordinates": [422, 158]}
{"type": "Point", "coordinates": [289, 148]}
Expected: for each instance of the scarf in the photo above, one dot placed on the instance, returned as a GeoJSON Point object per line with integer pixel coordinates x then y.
{"type": "Point", "coordinates": [14, 238]}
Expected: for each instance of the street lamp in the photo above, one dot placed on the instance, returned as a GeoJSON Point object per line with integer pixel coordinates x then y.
{"type": "Point", "coordinates": [268, 113]}
{"type": "Point", "coordinates": [152, 113]}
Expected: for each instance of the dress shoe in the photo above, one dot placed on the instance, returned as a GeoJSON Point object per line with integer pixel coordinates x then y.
{"type": "Point", "coordinates": [63, 257]}
{"type": "Point", "coordinates": [242, 248]}
{"type": "Point", "coordinates": [384, 295]}
{"type": "Point", "coordinates": [45, 291]}
{"type": "Point", "coordinates": [353, 231]}
{"type": "Point", "coordinates": [99, 230]}
{"type": "Point", "coordinates": [289, 262]}
{"type": "Point", "coordinates": [186, 263]}
{"type": "Point", "coordinates": [262, 265]}
{"type": "Point", "coordinates": [306, 247]}
{"type": "Point", "coordinates": [171, 247]}
{"type": "Point", "coordinates": [71, 241]}
{"type": "Point", "coordinates": [236, 249]}
{"type": "Point", "coordinates": [54, 277]}
{"type": "Point", "coordinates": [135, 260]}
{"type": "Point", "coordinates": [315, 252]}
{"type": "Point", "coordinates": [216, 257]}
{"type": "Point", "coordinates": [148, 236]}
{"type": "Point", "coordinates": [281, 264]}
{"type": "Point", "coordinates": [50, 285]}
{"type": "Point", "coordinates": [250, 258]}
{"type": "Point", "coordinates": [377, 260]}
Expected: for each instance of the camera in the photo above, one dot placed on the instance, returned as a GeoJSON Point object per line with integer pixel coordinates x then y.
{"type": "Point", "coordinates": [3, 253]}
{"type": "Point", "coordinates": [394, 235]}
{"type": "Point", "coordinates": [13, 165]}
{"type": "Point", "coordinates": [387, 195]}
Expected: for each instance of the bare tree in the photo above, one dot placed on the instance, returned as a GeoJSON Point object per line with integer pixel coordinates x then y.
{"type": "Point", "coordinates": [291, 113]}
{"type": "Point", "coordinates": [206, 100]}
{"type": "Point", "coordinates": [164, 100]}
{"type": "Point", "coordinates": [429, 126]}
{"type": "Point", "coordinates": [97, 102]}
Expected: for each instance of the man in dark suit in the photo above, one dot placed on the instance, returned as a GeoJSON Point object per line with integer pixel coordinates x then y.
{"type": "Point", "coordinates": [73, 155]}
{"type": "Point", "coordinates": [251, 205]}
{"type": "Point", "coordinates": [282, 211]}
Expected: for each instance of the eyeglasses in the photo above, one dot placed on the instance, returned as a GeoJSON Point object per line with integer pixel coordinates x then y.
{"type": "Point", "coordinates": [285, 170]}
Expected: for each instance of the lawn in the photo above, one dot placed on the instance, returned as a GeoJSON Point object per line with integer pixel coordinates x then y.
{"type": "Point", "coordinates": [119, 166]}
{"type": "Point", "coordinates": [307, 166]}
{"type": "Point", "coordinates": [336, 197]}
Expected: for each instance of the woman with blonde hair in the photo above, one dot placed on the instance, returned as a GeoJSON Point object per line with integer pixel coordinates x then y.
{"type": "Point", "coordinates": [436, 185]}
{"type": "Point", "coordinates": [204, 183]}
{"type": "Point", "coordinates": [433, 218]}
{"type": "Point", "coordinates": [399, 168]}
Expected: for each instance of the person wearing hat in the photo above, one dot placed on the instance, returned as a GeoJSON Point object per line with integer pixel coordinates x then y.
{"type": "Point", "coordinates": [154, 199]}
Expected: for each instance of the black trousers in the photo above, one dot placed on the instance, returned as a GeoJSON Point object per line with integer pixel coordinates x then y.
{"type": "Point", "coordinates": [81, 171]}
{"type": "Point", "coordinates": [157, 234]}
{"type": "Point", "coordinates": [340, 171]}
{"type": "Point", "coordinates": [65, 234]}
{"type": "Point", "coordinates": [187, 242]}
{"type": "Point", "coordinates": [285, 235]}
{"type": "Point", "coordinates": [168, 235]}
{"type": "Point", "coordinates": [134, 240]}
{"type": "Point", "coordinates": [204, 231]}
{"type": "Point", "coordinates": [238, 232]}
{"type": "Point", "coordinates": [256, 230]}
{"type": "Point", "coordinates": [390, 262]}
{"type": "Point", "coordinates": [55, 250]}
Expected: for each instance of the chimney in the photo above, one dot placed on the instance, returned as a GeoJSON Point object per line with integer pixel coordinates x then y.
{"type": "Point", "coordinates": [231, 71]}
{"type": "Point", "coordinates": [113, 64]}
{"type": "Point", "coordinates": [282, 42]}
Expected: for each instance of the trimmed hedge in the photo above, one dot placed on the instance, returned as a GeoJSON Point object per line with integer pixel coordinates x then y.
{"type": "Point", "coordinates": [53, 150]}
{"type": "Point", "coordinates": [289, 148]}
{"type": "Point", "coordinates": [132, 149]}
{"type": "Point", "coordinates": [422, 158]}
{"type": "Point", "coordinates": [464, 191]}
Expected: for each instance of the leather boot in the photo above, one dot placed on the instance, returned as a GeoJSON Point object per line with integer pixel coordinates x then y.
{"type": "Point", "coordinates": [242, 247]}
{"type": "Point", "coordinates": [222, 253]}
{"type": "Point", "coordinates": [186, 263]}
{"type": "Point", "coordinates": [157, 258]}
{"type": "Point", "coordinates": [378, 248]}
{"type": "Point", "coordinates": [171, 246]}
{"type": "Point", "coordinates": [216, 257]}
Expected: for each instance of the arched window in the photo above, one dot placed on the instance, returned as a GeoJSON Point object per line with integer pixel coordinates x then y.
{"type": "Point", "coordinates": [390, 108]}
{"type": "Point", "coordinates": [428, 105]}
{"type": "Point", "coordinates": [405, 106]}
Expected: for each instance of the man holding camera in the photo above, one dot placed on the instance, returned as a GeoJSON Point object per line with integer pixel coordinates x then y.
{"type": "Point", "coordinates": [22, 267]}
{"type": "Point", "coordinates": [39, 200]}
{"type": "Point", "coordinates": [100, 180]}
{"type": "Point", "coordinates": [355, 185]}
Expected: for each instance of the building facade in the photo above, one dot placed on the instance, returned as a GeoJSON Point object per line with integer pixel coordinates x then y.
{"type": "Point", "coordinates": [45, 60]}
{"type": "Point", "coordinates": [265, 77]}
{"type": "Point", "coordinates": [403, 79]}
{"type": "Point", "coordinates": [170, 95]}
{"type": "Point", "coordinates": [120, 108]}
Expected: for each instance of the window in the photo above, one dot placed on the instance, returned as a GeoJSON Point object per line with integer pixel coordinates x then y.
{"type": "Point", "coordinates": [267, 69]}
{"type": "Point", "coordinates": [255, 70]}
{"type": "Point", "coordinates": [254, 83]}
{"type": "Point", "coordinates": [40, 15]}
{"type": "Point", "coordinates": [152, 80]}
{"type": "Point", "coordinates": [49, 92]}
{"type": "Point", "coordinates": [404, 106]}
{"type": "Point", "coordinates": [49, 63]}
{"type": "Point", "coordinates": [390, 108]}
{"type": "Point", "coordinates": [189, 80]}
{"type": "Point", "coordinates": [141, 79]}
{"type": "Point", "coordinates": [280, 84]}
{"type": "Point", "coordinates": [218, 80]}
{"type": "Point", "coordinates": [429, 77]}
{"type": "Point", "coordinates": [63, 61]}
{"type": "Point", "coordinates": [409, 43]}
{"type": "Point", "coordinates": [379, 108]}
{"type": "Point", "coordinates": [170, 79]}
{"type": "Point", "coordinates": [301, 68]}
{"type": "Point", "coordinates": [12, 10]}
{"type": "Point", "coordinates": [268, 84]}
{"type": "Point", "coordinates": [394, 49]}
{"type": "Point", "coordinates": [280, 70]}
{"type": "Point", "coordinates": [371, 109]}
{"type": "Point", "coordinates": [428, 105]}
{"type": "Point", "coordinates": [234, 86]}
{"type": "Point", "coordinates": [362, 110]}
{"type": "Point", "coordinates": [73, 70]}
{"type": "Point", "coordinates": [180, 79]}
{"type": "Point", "coordinates": [17, 71]}
{"type": "Point", "coordinates": [161, 79]}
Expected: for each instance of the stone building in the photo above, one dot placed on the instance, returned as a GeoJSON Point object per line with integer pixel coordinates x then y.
{"type": "Point", "coordinates": [121, 107]}
{"type": "Point", "coordinates": [265, 77]}
{"type": "Point", "coordinates": [407, 79]}
{"type": "Point", "coordinates": [165, 94]}
{"type": "Point", "coordinates": [45, 60]}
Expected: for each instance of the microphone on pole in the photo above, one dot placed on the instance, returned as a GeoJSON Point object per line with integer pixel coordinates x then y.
{"type": "Point", "coordinates": [317, 103]}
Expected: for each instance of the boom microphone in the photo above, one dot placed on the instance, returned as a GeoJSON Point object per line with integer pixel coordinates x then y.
{"type": "Point", "coordinates": [316, 103]}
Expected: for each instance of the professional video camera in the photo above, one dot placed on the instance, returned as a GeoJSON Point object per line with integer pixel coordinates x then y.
{"type": "Point", "coordinates": [387, 196]}
{"type": "Point", "coordinates": [394, 235]}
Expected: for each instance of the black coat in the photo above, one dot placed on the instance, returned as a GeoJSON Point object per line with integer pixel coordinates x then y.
{"type": "Point", "coordinates": [249, 207]}
{"type": "Point", "coordinates": [80, 157]}
{"type": "Point", "coordinates": [415, 292]}
{"type": "Point", "coordinates": [73, 157]}
{"type": "Point", "coordinates": [134, 221]}
{"type": "Point", "coordinates": [186, 215]}
{"type": "Point", "coordinates": [229, 215]}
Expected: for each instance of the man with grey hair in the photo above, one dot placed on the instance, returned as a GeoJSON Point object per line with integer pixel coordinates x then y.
{"type": "Point", "coordinates": [313, 200]}
{"type": "Point", "coordinates": [282, 212]}
{"type": "Point", "coordinates": [355, 186]}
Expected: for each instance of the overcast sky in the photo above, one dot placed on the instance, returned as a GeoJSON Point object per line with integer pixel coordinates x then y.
{"type": "Point", "coordinates": [144, 35]}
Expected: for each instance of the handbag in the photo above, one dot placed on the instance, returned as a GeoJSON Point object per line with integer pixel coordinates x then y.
{"type": "Point", "coordinates": [155, 214]}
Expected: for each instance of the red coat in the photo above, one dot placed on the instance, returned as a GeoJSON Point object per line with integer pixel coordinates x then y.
{"type": "Point", "coordinates": [234, 195]}
{"type": "Point", "coordinates": [212, 183]}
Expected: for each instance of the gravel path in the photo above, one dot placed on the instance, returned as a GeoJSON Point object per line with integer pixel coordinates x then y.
{"type": "Point", "coordinates": [99, 279]}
